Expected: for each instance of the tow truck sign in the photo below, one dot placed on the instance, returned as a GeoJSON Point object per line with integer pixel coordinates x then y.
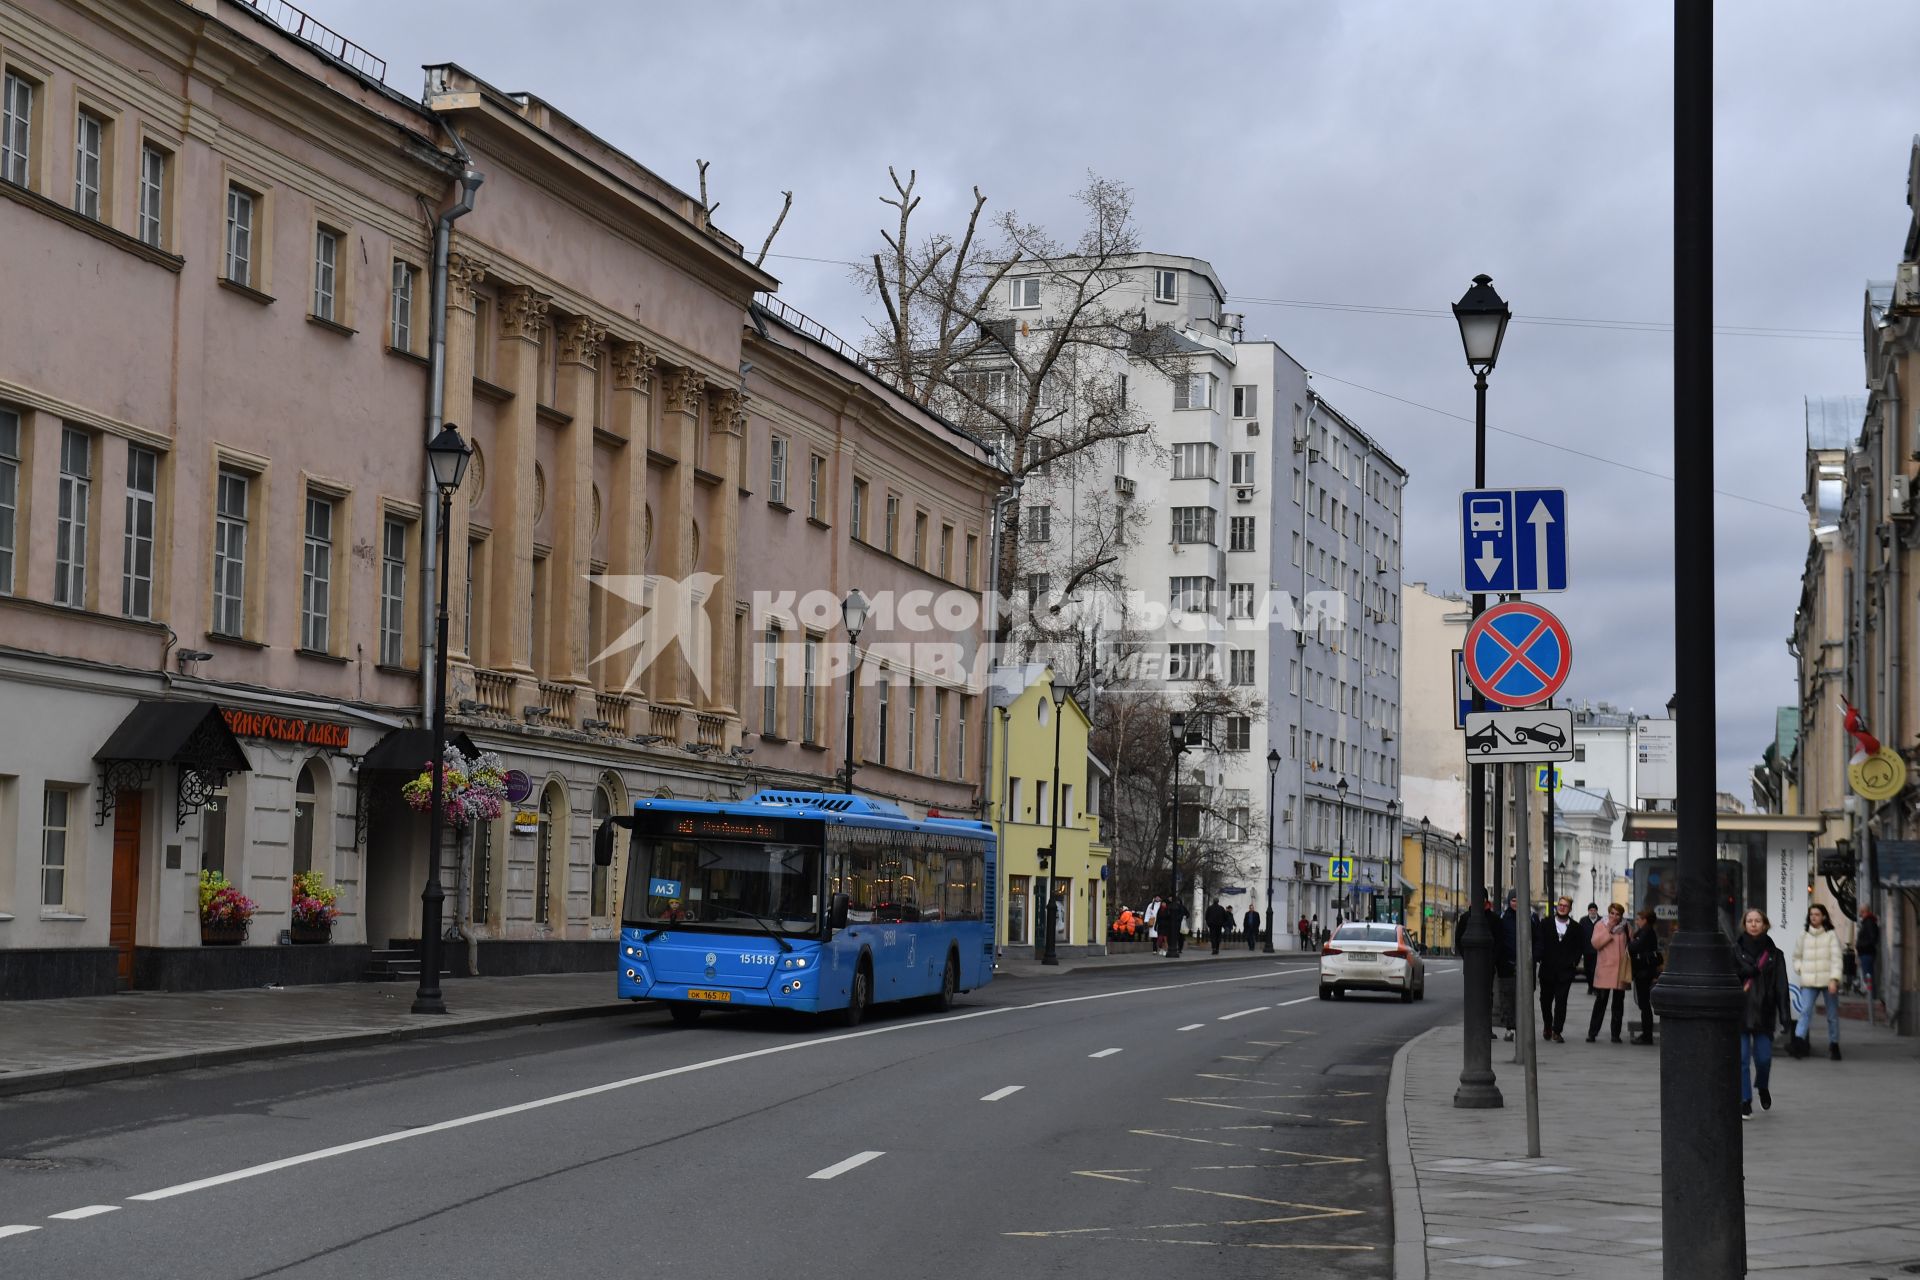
{"type": "Point", "coordinates": [1544, 735]}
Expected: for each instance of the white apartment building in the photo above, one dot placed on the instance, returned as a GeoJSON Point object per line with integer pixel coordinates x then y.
{"type": "Point", "coordinates": [1432, 751]}
{"type": "Point", "coordinates": [1272, 535]}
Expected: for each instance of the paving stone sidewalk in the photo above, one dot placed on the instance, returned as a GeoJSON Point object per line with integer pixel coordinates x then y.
{"type": "Point", "coordinates": [1831, 1175]}
{"type": "Point", "coordinates": [53, 1044]}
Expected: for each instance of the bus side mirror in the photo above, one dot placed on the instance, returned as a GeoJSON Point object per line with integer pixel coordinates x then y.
{"type": "Point", "coordinates": [837, 907]}
{"type": "Point", "coordinates": [603, 844]}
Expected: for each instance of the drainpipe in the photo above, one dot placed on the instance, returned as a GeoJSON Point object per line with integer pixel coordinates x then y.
{"type": "Point", "coordinates": [470, 181]}
{"type": "Point", "coordinates": [1006, 496]}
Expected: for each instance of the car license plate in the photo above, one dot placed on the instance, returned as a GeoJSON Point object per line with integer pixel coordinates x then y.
{"type": "Point", "coordinates": [1364, 957]}
{"type": "Point", "coordinates": [718, 997]}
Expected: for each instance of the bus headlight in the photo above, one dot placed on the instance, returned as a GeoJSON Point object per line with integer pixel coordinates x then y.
{"type": "Point", "coordinates": [631, 975]}
{"type": "Point", "coordinates": [635, 953]}
{"type": "Point", "coordinates": [794, 962]}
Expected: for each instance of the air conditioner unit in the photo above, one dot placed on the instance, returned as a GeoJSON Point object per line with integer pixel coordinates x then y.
{"type": "Point", "coordinates": [1906, 287]}
{"type": "Point", "coordinates": [1253, 428]}
{"type": "Point", "coordinates": [1243, 493]}
{"type": "Point", "coordinates": [1899, 496]}
{"type": "Point", "coordinates": [1123, 485]}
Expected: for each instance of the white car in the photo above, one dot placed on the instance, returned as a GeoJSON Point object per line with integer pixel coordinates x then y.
{"type": "Point", "coordinates": [1371, 957]}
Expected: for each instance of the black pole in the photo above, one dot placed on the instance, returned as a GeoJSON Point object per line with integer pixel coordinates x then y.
{"type": "Point", "coordinates": [1477, 1088]}
{"type": "Point", "coordinates": [1049, 953]}
{"type": "Point", "coordinates": [1553, 889]}
{"type": "Point", "coordinates": [853, 673]}
{"type": "Point", "coordinates": [1703, 1218]}
{"type": "Point", "coordinates": [1273, 771]}
{"type": "Point", "coordinates": [1173, 852]}
{"type": "Point", "coordinates": [427, 998]}
{"type": "Point", "coordinates": [1340, 843]}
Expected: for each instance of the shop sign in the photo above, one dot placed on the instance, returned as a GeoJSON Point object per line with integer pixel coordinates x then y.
{"type": "Point", "coordinates": [526, 821]}
{"type": "Point", "coordinates": [294, 729]}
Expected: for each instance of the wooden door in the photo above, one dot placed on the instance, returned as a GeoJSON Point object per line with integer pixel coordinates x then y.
{"type": "Point", "coordinates": [126, 881]}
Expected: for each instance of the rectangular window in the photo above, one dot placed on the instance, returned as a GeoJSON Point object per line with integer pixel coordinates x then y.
{"type": "Point", "coordinates": [770, 683]}
{"type": "Point", "coordinates": [1243, 472]}
{"type": "Point", "coordinates": [1240, 534]}
{"type": "Point", "coordinates": [1239, 733]}
{"type": "Point", "coordinates": [880, 738]}
{"type": "Point", "coordinates": [1040, 524]}
{"type": "Point", "coordinates": [400, 319]}
{"type": "Point", "coordinates": [1166, 286]}
{"type": "Point", "coordinates": [1189, 661]}
{"type": "Point", "coordinates": [476, 548]}
{"type": "Point", "coordinates": [892, 531]}
{"type": "Point", "coordinates": [857, 513]}
{"type": "Point", "coordinates": [960, 744]}
{"type": "Point", "coordinates": [316, 575]}
{"type": "Point", "coordinates": [239, 259]}
{"type": "Point", "coordinates": [56, 816]}
{"type": "Point", "coordinates": [153, 196]}
{"type": "Point", "coordinates": [1191, 594]}
{"type": "Point", "coordinates": [920, 538]}
{"type": "Point", "coordinates": [1039, 587]}
{"type": "Point", "coordinates": [70, 531]}
{"type": "Point", "coordinates": [1239, 818]}
{"type": "Point", "coordinates": [1025, 293]}
{"type": "Point", "coordinates": [1193, 461]}
{"type": "Point", "coordinates": [230, 554]}
{"type": "Point", "coordinates": [1246, 402]}
{"type": "Point", "coordinates": [90, 138]}
{"type": "Point", "coordinates": [326, 266]}
{"type": "Point", "coordinates": [1194, 391]}
{"type": "Point", "coordinates": [1193, 525]}
{"type": "Point", "coordinates": [973, 553]}
{"type": "Point", "coordinates": [1240, 663]}
{"type": "Point", "coordinates": [816, 484]}
{"type": "Point", "coordinates": [16, 130]}
{"type": "Point", "coordinates": [1014, 812]}
{"type": "Point", "coordinates": [810, 691]}
{"type": "Point", "coordinates": [939, 715]}
{"type": "Point", "coordinates": [393, 592]}
{"type": "Point", "coordinates": [1240, 601]}
{"type": "Point", "coordinates": [913, 723]}
{"type": "Point", "coordinates": [777, 470]}
{"type": "Point", "coordinates": [136, 574]}
{"type": "Point", "coordinates": [946, 551]}
{"type": "Point", "coordinates": [9, 496]}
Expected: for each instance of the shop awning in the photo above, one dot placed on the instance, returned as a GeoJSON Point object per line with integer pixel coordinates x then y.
{"type": "Point", "coordinates": [409, 750]}
{"type": "Point", "coordinates": [193, 735]}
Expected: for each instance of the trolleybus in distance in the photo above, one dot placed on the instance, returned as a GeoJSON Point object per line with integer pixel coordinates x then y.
{"type": "Point", "coordinates": [811, 901]}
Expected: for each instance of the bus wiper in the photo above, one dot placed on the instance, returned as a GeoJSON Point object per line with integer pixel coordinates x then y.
{"type": "Point", "coordinates": [650, 935]}
{"type": "Point", "coordinates": [773, 931]}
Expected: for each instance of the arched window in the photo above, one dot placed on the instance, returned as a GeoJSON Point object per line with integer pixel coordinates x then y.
{"type": "Point", "coordinates": [602, 876]}
{"type": "Point", "coordinates": [552, 841]}
{"type": "Point", "coordinates": [305, 794]}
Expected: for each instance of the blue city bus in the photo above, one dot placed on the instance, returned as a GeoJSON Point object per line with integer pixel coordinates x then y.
{"type": "Point", "coordinates": [723, 904]}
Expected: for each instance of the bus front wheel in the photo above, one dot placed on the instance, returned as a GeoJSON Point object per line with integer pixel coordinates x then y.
{"type": "Point", "coordinates": [684, 1015]}
{"type": "Point", "coordinates": [858, 998]}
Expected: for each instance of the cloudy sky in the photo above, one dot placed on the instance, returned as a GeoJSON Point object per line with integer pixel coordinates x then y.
{"type": "Point", "coordinates": [1363, 155]}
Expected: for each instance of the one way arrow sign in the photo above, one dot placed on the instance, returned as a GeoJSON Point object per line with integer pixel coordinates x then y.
{"type": "Point", "coordinates": [1513, 540]}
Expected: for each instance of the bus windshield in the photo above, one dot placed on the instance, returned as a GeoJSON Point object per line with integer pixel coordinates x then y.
{"type": "Point", "coordinates": [723, 884]}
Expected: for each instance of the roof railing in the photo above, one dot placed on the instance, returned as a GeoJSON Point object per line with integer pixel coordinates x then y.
{"type": "Point", "coordinates": [304, 27]}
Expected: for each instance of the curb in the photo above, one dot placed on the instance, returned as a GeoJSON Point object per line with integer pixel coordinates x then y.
{"type": "Point", "coordinates": [93, 1073]}
{"type": "Point", "coordinates": [1409, 1220]}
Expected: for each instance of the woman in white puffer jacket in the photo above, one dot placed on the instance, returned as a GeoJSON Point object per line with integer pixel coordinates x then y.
{"type": "Point", "coordinates": [1817, 971]}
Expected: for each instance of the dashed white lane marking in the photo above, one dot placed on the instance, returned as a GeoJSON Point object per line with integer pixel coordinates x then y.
{"type": "Point", "coordinates": [1193, 1026]}
{"type": "Point", "coordinates": [1302, 1000]}
{"type": "Point", "coordinates": [15, 1231]}
{"type": "Point", "coordinates": [851, 1162]}
{"type": "Point", "coordinates": [86, 1211]}
{"type": "Point", "coordinates": [1229, 1017]}
{"type": "Point", "coordinates": [1104, 1053]}
{"type": "Point", "coordinates": [554, 1100]}
{"type": "Point", "coordinates": [1007, 1092]}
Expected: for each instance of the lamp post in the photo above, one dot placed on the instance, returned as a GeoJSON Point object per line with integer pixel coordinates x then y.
{"type": "Point", "coordinates": [1426, 910]}
{"type": "Point", "coordinates": [853, 615]}
{"type": "Point", "coordinates": [1482, 315]}
{"type": "Point", "coordinates": [1177, 728]}
{"type": "Point", "coordinates": [1049, 954]}
{"type": "Point", "coordinates": [447, 458]}
{"type": "Point", "coordinates": [1340, 841]}
{"type": "Point", "coordinates": [1273, 771]}
{"type": "Point", "coordinates": [1390, 875]}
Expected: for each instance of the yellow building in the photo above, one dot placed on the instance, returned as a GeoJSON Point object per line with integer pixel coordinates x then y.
{"type": "Point", "coordinates": [1433, 864]}
{"type": "Point", "coordinates": [1026, 726]}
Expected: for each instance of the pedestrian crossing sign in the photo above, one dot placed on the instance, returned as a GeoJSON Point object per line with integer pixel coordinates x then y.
{"type": "Point", "coordinates": [1546, 778]}
{"type": "Point", "coordinates": [1341, 870]}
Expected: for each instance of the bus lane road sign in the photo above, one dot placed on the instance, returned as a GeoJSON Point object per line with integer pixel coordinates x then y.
{"type": "Point", "coordinates": [1518, 654]}
{"type": "Point", "coordinates": [1513, 540]}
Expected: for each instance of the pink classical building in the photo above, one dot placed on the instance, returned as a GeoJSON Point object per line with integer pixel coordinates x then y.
{"type": "Point", "coordinates": [214, 377]}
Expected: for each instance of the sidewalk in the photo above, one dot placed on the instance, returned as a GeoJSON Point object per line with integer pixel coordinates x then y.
{"type": "Point", "coordinates": [1830, 1171]}
{"type": "Point", "coordinates": [54, 1044]}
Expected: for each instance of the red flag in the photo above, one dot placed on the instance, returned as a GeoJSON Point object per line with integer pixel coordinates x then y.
{"type": "Point", "coordinates": [1865, 745]}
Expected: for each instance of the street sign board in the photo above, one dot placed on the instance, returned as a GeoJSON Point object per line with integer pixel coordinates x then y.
{"type": "Point", "coordinates": [1340, 870]}
{"type": "Point", "coordinates": [1518, 654]}
{"type": "Point", "coordinates": [1513, 540]}
{"type": "Point", "coordinates": [1655, 777]}
{"type": "Point", "coordinates": [1494, 736]}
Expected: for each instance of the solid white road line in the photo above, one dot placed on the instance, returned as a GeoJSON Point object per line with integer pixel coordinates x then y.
{"type": "Point", "coordinates": [460, 1122]}
{"type": "Point", "coordinates": [1229, 1017]}
{"type": "Point", "coordinates": [1007, 1092]}
{"type": "Point", "coordinates": [851, 1162]}
{"type": "Point", "coordinates": [89, 1211]}
{"type": "Point", "coordinates": [1302, 1000]}
{"type": "Point", "coordinates": [1104, 1053]}
{"type": "Point", "coordinates": [1193, 1026]}
{"type": "Point", "coordinates": [15, 1231]}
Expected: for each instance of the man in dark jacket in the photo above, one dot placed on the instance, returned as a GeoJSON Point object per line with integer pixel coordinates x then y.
{"type": "Point", "coordinates": [1506, 967]}
{"type": "Point", "coordinates": [1219, 921]}
{"type": "Point", "coordinates": [1171, 918]}
{"type": "Point", "coordinates": [1559, 947]}
{"type": "Point", "coordinates": [1251, 923]}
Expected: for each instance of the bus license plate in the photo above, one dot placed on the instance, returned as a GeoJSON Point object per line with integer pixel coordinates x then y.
{"type": "Point", "coordinates": [719, 997]}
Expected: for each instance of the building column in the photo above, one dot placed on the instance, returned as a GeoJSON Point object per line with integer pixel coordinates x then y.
{"type": "Point", "coordinates": [523, 318]}
{"type": "Point", "coordinates": [726, 444]}
{"type": "Point", "coordinates": [581, 340]}
{"type": "Point", "coordinates": [629, 417]}
{"type": "Point", "coordinates": [464, 273]}
{"type": "Point", "coordinates": [677, 437]}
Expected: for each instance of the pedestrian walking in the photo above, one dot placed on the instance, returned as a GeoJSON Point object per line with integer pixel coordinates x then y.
{"type": "Point", "coordinates": [1558, 947]}
{"type": "Point", "coordinates": [1645, 950]}
{"type": "Point", "coordinates": [1816, 966]}
{"type": "Point", "coordinates": [1763, 980]}
{"type": "Point", "coordinates": [1170, 916]}
{"type": "Point", "coordinates": [1611, 968]}
{"type": "Point", "coordinates": [1218, 921]}
{"type": "Point", "coordinates": [1305, 931]}
{"type": "Point", "coordinates": [1251, 923]}
{"type": "Point", "coordinates": [1506, 965]}
{"type": "Point", "coordinates": [1866, 946]}
{"type": "Point", "coordinates": [1151, 916]}
{"type": "Point", "coordinates": [1587, 923]}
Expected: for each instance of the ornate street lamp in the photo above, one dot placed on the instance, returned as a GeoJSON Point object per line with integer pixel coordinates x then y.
{"type": "Point", "coordinates": [853, 615]}
{"type": "Point", "coordinates": [1426, 909]}
{"type": "Point", "coordinates": [1062, 690]}
{"type": "Point", "coordinates": [1273, 770]}
{"type": "Point", "coordinates": [447, 457]}
{"type": "Point", "coordinates": [1340, 842]}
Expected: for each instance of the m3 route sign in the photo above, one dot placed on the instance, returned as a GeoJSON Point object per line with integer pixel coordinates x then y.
{"type": "Point", "coordinates": [1518, 654]}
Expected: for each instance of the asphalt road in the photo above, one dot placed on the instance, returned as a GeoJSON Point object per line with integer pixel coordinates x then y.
{"type": "Point", "coordinates": [1181, 1116]}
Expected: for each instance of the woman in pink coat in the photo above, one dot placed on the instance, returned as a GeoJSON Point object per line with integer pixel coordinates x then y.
{"type": "Point", "coordinates": [1612, 973]}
